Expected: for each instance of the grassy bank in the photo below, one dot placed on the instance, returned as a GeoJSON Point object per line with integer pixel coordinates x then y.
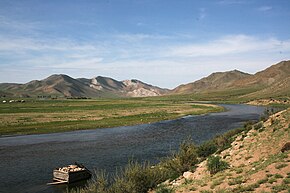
{"type": "Point", "coordinates": [247, 159]}
{"type": "Point", "coordinates": [48, 116]}
{"type": "Point", "coordinates": [140, 178]}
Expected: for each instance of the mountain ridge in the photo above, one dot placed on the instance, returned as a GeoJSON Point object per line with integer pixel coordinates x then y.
{"type": "Point", "coordinates": [261, 84]}
{"type": "Point", "coordinates": [65, 86]}
{"type": "Point", "coordinates": [216, 80]}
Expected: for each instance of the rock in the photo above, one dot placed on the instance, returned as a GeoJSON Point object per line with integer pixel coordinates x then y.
{"type": "Point", "coordinates": [178, 182]}
{"type": "Point", "coordinates": [167, 182]}
{"type": "Point", "coordinates": [285, 147]}
{"type": "Point", "coordinates": [188, 175]}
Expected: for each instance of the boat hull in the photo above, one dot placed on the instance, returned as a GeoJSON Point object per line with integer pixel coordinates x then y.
{"type": "Point", "coordinates": [71, 176]}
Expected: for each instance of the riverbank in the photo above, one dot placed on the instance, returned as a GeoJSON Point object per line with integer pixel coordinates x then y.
{"type": "Point", "coordinates": [250, 159]}
{"type": "Point", "coordinates": [27, 167]}
{"type": "Point", "coordinates": [51, 116]}
{"type": "Point", "coordinates": [256, 161]}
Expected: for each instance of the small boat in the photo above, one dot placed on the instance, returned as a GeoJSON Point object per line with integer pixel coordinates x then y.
{"type": "Point", "coordinates": [70, 174]}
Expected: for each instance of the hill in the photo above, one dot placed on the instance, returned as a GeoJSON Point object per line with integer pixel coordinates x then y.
{"type": "Point", "coordinates": [131, 88]}
{"type": "Point", "coordinates": [216, 81]}
{"type": "Point", "coordinates": [60, 85]}
{"type": "Point", "coordinates": [258, 161]}
{"type": "Point", "coordinates": [271, 82]}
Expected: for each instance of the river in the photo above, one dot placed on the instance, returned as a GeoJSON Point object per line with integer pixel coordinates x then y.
{"type": "Point", "coordinates": [26, 162]}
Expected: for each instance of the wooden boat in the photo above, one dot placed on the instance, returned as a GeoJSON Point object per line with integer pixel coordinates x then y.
{"type": "Point", "coordinates": [70, 174]}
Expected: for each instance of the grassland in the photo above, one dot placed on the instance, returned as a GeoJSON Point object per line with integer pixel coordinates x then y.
{"type": "Point", "coordinates": [47, 116]}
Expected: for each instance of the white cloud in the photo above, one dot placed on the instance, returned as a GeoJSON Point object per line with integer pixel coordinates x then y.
{"type": "Point", "coordinates": [10, 24]}
{"type": "Point", "coordinates": [234, 44]}
{"type": "Point", "coordinates": [265, 8]}
{"type": "Point", "coordinates": [231, 2]}
{"type": "Point", "coordinates": [155, 62]}
{"type": "Point", "coordinates": [26, 44]}
{"type": "Point", "coordinates": [140, 37]}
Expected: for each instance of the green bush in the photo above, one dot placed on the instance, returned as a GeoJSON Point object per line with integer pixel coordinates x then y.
{"type": "Point", "coordinates": [164, 189]}
{"type": "Point", "coordinates": [184, 160]}
{"type": "Point", "coordinates": [248, 125]}
{"type": "Point", "coordinates": [206, 149]}
{"type": "Point", "coordinates": [137, 178]}
{"type": "Point", "coordinates": [224, 141]}
{"type": "Point", "coordinates": [215, 164]}
{"type": "Point", "coordinates": [258, 125]}
{"type": "Point", "coordinates": [99, 184]}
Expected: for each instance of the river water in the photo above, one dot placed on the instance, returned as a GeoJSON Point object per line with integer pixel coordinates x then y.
{"type": "Point", "coordinates": [26, 162]}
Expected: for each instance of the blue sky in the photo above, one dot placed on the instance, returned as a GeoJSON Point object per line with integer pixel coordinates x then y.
{"type": "Point", "coordinates": [161, 42]}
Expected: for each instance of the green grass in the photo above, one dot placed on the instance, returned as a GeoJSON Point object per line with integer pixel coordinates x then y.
{"type": "Point", "coordinates": [68, 125]}
{"type": "Point", "coordinates": [164, 189]}
{"type": "Point", "coordinates": [216, 182]}
{"type": "Point", "coordinates": [51, 106]}
{"type": "Point", "coordinates": [139, 178]}
{"type": "Point", "coordinates": [279, 157]}
{"type": "Point", "coordinates": [48, 116]}
{"type": "Point", "coordinates": [279, 166]}
{"type": "Point", "coordinates": [237, 180]}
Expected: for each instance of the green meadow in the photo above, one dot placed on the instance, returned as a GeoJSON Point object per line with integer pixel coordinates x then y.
{"type": "Point", "coordinates": [36, 116]}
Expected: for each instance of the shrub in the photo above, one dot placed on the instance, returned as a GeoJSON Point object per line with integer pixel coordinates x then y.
{"type": "Point", "coordinates": [223, 141]}
{"type": "Point", "coordinates": [164, 189]}
{"type": "Point", "coordinates": [277, 176]}
{"type": "Point", "coordinates": [239, 170]}
{"type": "Point", "coordinates": [262, 181]}
{"type": "Point", "coordinates": [279, 166]}
{"type": "Point", "coordinates": [216, 183]}
{"type": "Point", "coordinates": [136, 178]}
{"type": "Point", "coordinates": [215, 164]}
{"type": "Point", "coordinates": [206, 149]}
{"type": "Point", "coordinates": [258, 125]}
{"type": "Point", "coordinates": [206, 191]}
{"type": "Point", "coordinates": [286, 181]}
{"type": "Point", "coordinates": [248, 125]}
{"type": "Point", "coordinates": [99, 184]}
{"type": "Point", "coordinates": [229, 134]}
{"type": "Point", "coordinates": [272, 180]}
{"type": "Point", "coordinates": [185, 159]}
{"type": "Point", "coordinates": [192, 189]}
{"type": "Point", "coordinates": [237, 180]}
{"type": "Point", "coordinates": [280, 188]}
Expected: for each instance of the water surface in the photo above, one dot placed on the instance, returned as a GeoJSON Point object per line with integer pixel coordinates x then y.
{"type": "Point", "coordinates": [26, 162]}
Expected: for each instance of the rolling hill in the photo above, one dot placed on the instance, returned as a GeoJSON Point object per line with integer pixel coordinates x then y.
{"type": "Point", "coordinates": [271, 82]}
{"type": "Point", "coordinates": [215, 81]}
{"type": "Point", "coordinates": [60, 85]}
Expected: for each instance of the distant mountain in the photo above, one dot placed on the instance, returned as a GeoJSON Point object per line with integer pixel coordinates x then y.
{"type": "Point", "coordinates": [130, 88]}
{"type": "Point", "coordinates": [273, 81]}
{"type": "Point", "coordinates": [64, 86]}
{"type": "Point", "coordinates": [215, 81]}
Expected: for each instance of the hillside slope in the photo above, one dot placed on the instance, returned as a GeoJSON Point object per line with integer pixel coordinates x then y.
{"type": "Point", "coordinates": [271, 82]}
{"type": "Point", "coordinates": [56, 85]}
{"type": "Point", "coordinates": [255, 159]}
{"type": "Point", "coordinates": [215, 81]}
{"type": "Point", "coordinates": [65, 86]}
